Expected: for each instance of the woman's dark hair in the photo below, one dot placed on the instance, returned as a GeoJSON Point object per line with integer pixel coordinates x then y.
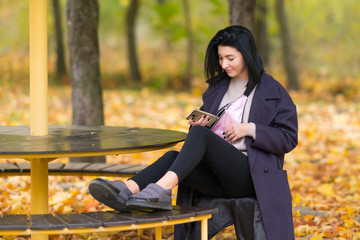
{"type": "Point", "coordinates": [240, 38]}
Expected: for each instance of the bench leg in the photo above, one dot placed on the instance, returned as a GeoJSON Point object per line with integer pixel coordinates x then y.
{"type": "Point", "coordinates": [158, 234]}
{"type": "Point", "coordinates": [204, 229]}
{"type": "Point", "coordinates": [39, 190]}
{"type": "Point", "coordinates": [140, 232]}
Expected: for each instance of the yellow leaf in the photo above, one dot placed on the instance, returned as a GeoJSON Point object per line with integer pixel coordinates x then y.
{"type": "Point", "coordinates": [308, 217]}
{"type": "Point", "coordinates": [348, 221]}
{"type": "Point", "coordinates": [297, 199]}
{"type": "Point", "coordinates": [350, 210]}
{"type": "Point", "coordinates": [317, 237]}
{"type": "Point", "coordinates": [326, 189]}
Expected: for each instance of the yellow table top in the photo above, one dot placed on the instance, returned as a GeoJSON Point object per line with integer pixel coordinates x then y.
{"type": "Point", "coordinates": [72, 141]}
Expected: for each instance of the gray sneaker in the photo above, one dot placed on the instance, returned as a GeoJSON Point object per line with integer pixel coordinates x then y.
{"type": "Point", "coordinates": [111, 193]}
{"type": "Point", "coordinates": [153, 197]}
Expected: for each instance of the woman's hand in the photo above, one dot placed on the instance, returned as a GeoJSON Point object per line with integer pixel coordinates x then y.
{"type": "Point", "coordinates": [201, 122]}
{"type": "Point", "coordinates": [234, 133]}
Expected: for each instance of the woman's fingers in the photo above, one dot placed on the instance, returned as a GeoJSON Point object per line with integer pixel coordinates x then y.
{"type": "Point", "coordinates": [202, 121]}
{"type": "Point", "coordinates": [236, 132]}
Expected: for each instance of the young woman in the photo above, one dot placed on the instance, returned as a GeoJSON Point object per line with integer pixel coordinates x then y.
{"type": "Point", "coordinates": [242, 156]}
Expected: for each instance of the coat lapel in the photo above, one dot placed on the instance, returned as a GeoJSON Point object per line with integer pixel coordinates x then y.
{"type": "Point", "coordinates": [214, 95]}
{"type": "Point", "coordinates": [262, 112]}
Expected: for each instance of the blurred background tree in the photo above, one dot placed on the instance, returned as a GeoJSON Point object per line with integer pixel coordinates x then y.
{"type": "Point", "coordinates": [170, 39]}
{"type": "Point", "coordinates": [325, 36]}
{"type": "Point", "coordinates": [242, 12]}
{"type": "Point", "coordinates": [130, 25]}
{"type": "Point", "coordinates": [261, 30]}
{"type": "Point", "coordinates": [82, 18]}
{"type": "Point", "coordinates": [59, 40]}
{"type": "Point", "coordinates": [187, 77]}
{"type": "Point", "coordinates": [288, 56]}
{"type": "Point", "coordinates": [307, 45]}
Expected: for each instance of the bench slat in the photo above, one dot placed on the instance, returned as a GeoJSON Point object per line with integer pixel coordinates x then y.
{"type": "Point", "coordinates": [135, 169]}
{"type": "Point", "coordinates": [8, 167]}
{"type": "Point", "coordinates": [97, 167]}
{"type": "Point", "coordinates": [110, 218]}
{"type": "Point", "coordinates": [199, 211]}
{"type": "Point", "coordinates": [144, 217]}
{"type": "Point", "coordinates": [24, 167]}
{"type": "Point", "coordinates": [125, 168]}
{"type": "Point", "coordinates": [81, 168]}
{"type": "Point", "coordinates": [180, 212]}
{"type": "Point", "coordinates": [45, 221]}
{"type": "Point", "coordinates": [74, 220]}
{"type": "Point", "coordinates": [56, 167]}
{"type": "Point", "coordinates": [13, 222]}
{"type": "Point", "coordinates": [75, 167]}
{"type": "Point", "coordinates": [176, 213]}
{"type": "Point", "coordinates": [119, 167]}
{"type": "Point", "coordinates": [93, 220]}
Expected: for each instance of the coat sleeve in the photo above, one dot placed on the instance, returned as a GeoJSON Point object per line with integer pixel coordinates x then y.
{"type": "Point", "coordinates": [280, 135]}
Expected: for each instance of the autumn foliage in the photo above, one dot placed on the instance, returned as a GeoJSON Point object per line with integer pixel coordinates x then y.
{"type": "Point", "coordinates": [323, 170]}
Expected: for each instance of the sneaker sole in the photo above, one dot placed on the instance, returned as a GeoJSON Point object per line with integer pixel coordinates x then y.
{"type": "Point", "coordinates": [143, 205]}
{"type": "Point", "coordinates": [106, 194]}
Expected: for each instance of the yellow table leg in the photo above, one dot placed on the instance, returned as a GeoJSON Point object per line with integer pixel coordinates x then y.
{"type": "Point", "coordinates": [38, 68]}
{"type": "Point", "coordinates": [204, 229]}
{"type": "Point", "coordinates": [39, 190]}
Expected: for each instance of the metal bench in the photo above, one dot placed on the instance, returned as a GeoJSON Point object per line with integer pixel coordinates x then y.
{"type": "Point", "coordinates": [75, 169]}
{"type": "Point", "coordinates": [111, 221]}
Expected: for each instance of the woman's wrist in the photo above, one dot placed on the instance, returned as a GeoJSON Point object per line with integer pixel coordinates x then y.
{"type": "Point", "coordinates": [251, 130]}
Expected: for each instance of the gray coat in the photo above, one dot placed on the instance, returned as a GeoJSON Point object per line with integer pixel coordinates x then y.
{"type": "Point", "coordinates": [274, 113]}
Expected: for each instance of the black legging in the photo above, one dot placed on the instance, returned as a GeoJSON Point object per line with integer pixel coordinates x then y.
{"type": "Point", "coordinates": [206, 163]}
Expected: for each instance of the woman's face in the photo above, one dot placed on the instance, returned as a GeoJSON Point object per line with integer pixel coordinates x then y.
{"type": "Point", "coordinates": [232, 61]}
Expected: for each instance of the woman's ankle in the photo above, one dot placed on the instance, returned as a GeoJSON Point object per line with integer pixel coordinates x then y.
{"type": "Point", "coordinates": [132, 186]}
{"type": "Point", "coordinates": [169, 180]}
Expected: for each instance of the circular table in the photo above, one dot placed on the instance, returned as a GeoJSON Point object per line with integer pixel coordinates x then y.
{"type": "Point", "coordinates": [80, 141]}
{"type": "Point", "coordinates": [76, 141]}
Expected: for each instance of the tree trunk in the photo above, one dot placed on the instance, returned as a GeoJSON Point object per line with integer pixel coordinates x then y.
{"type": "Point", "coordinates": [60, 61]}
{"type": "Point", "coordinates": [87, 101]}
{"type": "Point", "coordinates": [131, 40]}
{"type": "Point", "coordinates": [242, 12]}
{"type": "Point", "coordinates": [288, 53]}
{"type": "Point", "coordinates": [261, 37]}
{"type": "Point", "coordinates": [186, 81]}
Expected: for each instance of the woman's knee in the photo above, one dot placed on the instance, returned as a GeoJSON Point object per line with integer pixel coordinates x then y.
{"type": "Point", "coordinates": [198, 130]}
{"type": "Point", "coordinates": [169, 157]}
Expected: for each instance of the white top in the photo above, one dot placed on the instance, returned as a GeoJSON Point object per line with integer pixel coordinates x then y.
{"type": "Point", "coordinates": [237, 88]}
